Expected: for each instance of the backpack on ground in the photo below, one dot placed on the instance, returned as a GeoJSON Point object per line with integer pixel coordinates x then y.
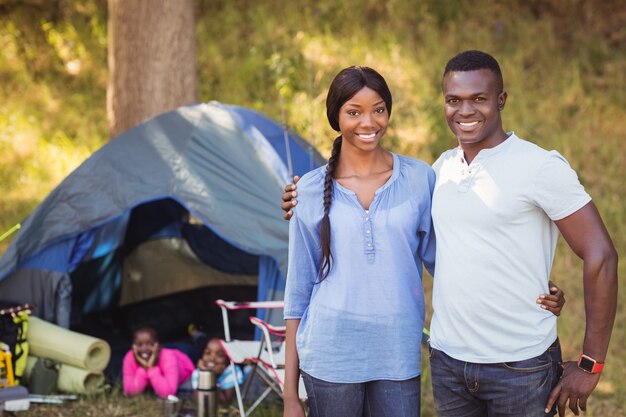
{"type": "Point", "coordinates": [13, 332]}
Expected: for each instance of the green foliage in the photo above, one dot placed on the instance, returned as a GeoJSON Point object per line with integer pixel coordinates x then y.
{"type": "Point", "coordinates": [53, 88]}
{"type": "Point", "coordinates": [564, 65]}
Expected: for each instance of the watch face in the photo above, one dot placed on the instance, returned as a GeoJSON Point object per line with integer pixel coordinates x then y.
{"type": "Point", "coordinates": [586, 364]}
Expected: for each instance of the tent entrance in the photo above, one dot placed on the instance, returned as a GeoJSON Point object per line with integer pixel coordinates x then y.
{"type": "Point", "coordinates": [165, 270]}
{"type": "Point", "coordinates": [166, 266]}
{"type": "Point", "coordinates": [156, 251]}
{"type": "Point", "coordinates": [171, 315]}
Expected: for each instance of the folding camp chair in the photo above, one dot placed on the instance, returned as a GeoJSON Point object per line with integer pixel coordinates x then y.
{"type": "Point", "coordinates": [266, 356]}
{"type": "Point", "coordinates": [273, 363]}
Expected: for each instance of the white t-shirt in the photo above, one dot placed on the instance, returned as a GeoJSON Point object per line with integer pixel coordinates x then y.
{"type": "Point", "coordinates": [495, 245]}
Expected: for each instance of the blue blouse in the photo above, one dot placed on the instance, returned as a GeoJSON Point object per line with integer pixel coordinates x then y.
{"type": "Point", "coordinates": [364, 321]}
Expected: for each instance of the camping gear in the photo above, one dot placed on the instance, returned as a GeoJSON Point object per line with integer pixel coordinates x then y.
{"type": "Point", "coordinates": [13, 332]}
{"type": "Point", "coordinates": [7, 377]}
{"type": "Point", "coordinates": [171, 406]}
{"type": "Point", "coordinates": [51, 399]}
{"type": "Point", "coordinates": [203, 182]}
{"type": "Point", "coordinates": [48, 340]}
{"type": "Point", "coordinates": [43, 375]}
{"type": "Point", "coordinates": [14, 399]}
{"type": "Point", "coordinates": [69, 378]}
{"type": "Point", "coordinates": [266, 356]}
{"type": "Point", "coordinates": [207, 394]}
{"type": "Point", "coordinates": [79, 381]}
{"type": "Point", "coordinates": [80, 359]}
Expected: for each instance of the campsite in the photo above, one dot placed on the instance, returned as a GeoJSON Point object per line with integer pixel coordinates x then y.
{"type": "Point", "coordinates": [145, 144]}
{"type": "Point", "coordinates": [166, 238]}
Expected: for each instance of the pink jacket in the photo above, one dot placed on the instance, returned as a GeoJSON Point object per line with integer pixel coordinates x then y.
{"type": "Point", "coordinates": [173, 369]}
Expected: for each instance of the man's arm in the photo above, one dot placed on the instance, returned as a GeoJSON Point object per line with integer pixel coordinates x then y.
{"type": "Point", "coordinates": [587, 236]}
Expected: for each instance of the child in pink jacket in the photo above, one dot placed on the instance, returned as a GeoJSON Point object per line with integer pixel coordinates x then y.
{"type": "Point", "coordinates": [147, 364]}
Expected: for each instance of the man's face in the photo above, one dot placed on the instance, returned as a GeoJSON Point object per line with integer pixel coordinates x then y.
{"type": "Point", "coordinates": [472, 105]}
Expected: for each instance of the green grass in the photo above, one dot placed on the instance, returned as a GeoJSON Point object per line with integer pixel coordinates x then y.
{"type": "Point", "coordinates": [564, 64]}
{"type": "Point", "coordinates": [115, 404]}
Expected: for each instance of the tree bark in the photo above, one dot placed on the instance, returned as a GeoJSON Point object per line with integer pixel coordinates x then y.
{"type": "Point", "coordinates": [152, 60]}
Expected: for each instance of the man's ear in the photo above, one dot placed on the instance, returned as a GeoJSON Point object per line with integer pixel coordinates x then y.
{"type": "Point", "coordinates": [502, 100]}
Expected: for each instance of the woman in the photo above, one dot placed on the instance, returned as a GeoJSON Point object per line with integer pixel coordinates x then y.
{"type": "Point", "coordinates": [354, 304]}
{"type": "Point", "coordinates": [149, 365]}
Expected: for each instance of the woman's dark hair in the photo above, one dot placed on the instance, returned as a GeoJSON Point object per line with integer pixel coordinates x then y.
{"type": "Point", "coordinates": [345, 85]}
{"type": "Point", "coordinates": [147, 329]}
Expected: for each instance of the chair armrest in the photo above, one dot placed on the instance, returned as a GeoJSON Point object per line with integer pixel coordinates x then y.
{"type": "Point", "coordinates": [241, 305]}
{"type": "Point", "coordinates": [275, 330]}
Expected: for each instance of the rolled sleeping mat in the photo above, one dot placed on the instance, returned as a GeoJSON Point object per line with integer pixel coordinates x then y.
{"type": "Point", "coordinates": [72, 379]}
{"type": "Point", "coordinates": [47, 340]}
{"type": "Point", "coordinates": [79, 381]}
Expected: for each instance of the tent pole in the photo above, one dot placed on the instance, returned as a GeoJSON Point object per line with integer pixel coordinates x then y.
{"type": "Point", "coordinates": [10, 231]}
{"type": "Point", "coordinates": [286, 136]}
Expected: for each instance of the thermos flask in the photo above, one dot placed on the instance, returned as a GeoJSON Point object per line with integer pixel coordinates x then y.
{"type": "Point", "coordinates": [171, 406]}
{"type": "Point", "coordinates": [207, 394]}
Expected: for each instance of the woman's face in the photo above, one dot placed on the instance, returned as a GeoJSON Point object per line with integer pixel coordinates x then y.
{"type": "Point", "coordinates": [144, 344]}
{"type": "Point", "coordinates": [363, 120]}
{"type": "Point", "coordinates": [213, 358]}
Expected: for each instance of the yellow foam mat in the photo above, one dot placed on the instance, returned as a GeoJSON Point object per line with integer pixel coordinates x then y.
{"type": "Point", "coordinates": [47, 340]}
{"type": "Point", "coordinates": [72, 379]}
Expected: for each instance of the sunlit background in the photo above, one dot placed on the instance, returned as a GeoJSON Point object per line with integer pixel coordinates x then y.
{"type": "Point", "coordinates": [564, 65]}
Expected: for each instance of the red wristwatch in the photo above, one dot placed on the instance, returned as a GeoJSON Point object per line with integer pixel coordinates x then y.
{"type": "Point", "coordinates": [589, 364]}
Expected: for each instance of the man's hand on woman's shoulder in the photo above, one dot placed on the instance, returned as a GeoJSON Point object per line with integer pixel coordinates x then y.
{"type": "Point", "coordinates": [289, 198]}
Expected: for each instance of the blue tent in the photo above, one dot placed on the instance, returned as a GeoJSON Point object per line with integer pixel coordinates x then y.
{"type": "Point", "coordinates": [205, 180]}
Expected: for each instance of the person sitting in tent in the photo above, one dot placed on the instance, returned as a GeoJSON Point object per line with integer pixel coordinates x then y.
{"type": "Point", "coordinates": [214, 359]}
{"type": "Point", "coordinates": [148, 364]}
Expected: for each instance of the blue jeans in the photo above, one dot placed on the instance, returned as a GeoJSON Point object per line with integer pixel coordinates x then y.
{"type": "Point", "coordinates": [519, 389]}
{"type": "Point", "coordinates": [381, 398]}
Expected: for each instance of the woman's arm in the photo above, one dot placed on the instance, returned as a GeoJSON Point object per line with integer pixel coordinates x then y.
{"type": "Point", "coordinates": [134, 377]}
{"type": "Point", "coordinates": [291, 399]}
{"type": "Point", "coordinates": [554, 301]}
{"type": "Point", "coordinates": [302, 272]}
{"type": "Point", "coordinates": [164, 375]}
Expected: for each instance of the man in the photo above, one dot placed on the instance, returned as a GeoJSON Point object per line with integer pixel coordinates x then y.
{"type": "Point", "coordinates": [497, 205]}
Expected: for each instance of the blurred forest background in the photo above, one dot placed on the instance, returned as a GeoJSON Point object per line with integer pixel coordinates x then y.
{"type": "Point", "coordinates": [564, 65]}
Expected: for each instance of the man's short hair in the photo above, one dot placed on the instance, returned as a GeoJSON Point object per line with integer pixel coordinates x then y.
{"type": "Point", "coordinates": [473, 61]}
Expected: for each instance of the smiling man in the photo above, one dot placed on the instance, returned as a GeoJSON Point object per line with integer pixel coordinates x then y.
{"type": "Point", "coordinates": [498, 204]}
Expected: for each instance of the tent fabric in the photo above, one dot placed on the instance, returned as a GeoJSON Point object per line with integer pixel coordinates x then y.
{"type": "Point", "coordinates": [212, 250]}
{"type": "Point", "coordinates": [165, 266]}
{"type": "Point", "coordinates": [49, 291]}
{"type": "Point", "coordinates": [226, 165]}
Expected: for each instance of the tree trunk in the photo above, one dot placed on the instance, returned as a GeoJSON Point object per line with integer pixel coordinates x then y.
{"type": "Point", "coordinates": [152, 60]}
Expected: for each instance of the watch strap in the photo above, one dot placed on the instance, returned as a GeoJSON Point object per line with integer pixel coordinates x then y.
{"type": "Point", "coordinates": [589, 364]}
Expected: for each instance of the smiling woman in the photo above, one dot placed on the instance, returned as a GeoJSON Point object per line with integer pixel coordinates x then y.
{"type": "Point", "coordinates": [363, 120]}
{"type": "Point", "coordinates": [350, 297]}
{"type": "Point", "coordinates": [148, 365]}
